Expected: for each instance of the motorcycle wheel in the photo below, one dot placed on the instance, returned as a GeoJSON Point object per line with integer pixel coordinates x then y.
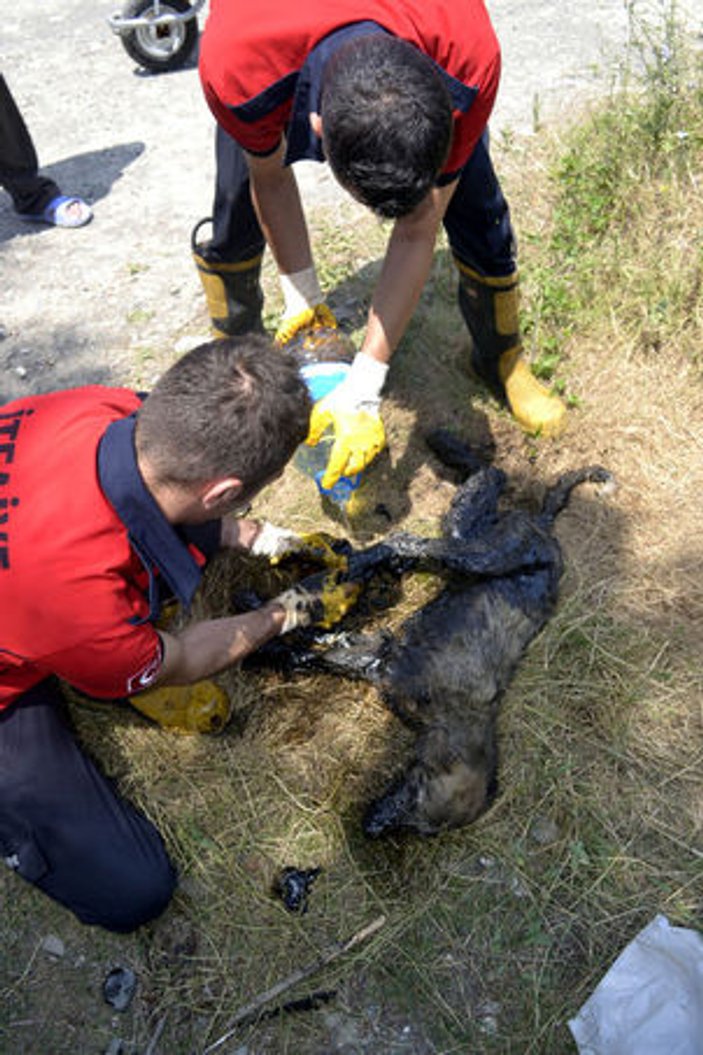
{"type": "Point", "coordinates": [159, 48]}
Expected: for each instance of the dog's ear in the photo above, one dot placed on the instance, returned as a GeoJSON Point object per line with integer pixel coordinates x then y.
{"type": "Point", "coordinates": [451, 782]}
{"type": "Point", "coordinates": [428, 802]}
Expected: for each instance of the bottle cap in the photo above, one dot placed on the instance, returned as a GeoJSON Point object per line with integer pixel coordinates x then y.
{"type": "Point", "coordinates": [341, 491]}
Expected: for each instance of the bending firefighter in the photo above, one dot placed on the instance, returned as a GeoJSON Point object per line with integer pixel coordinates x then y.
{"type": "Point", "coordinates": [396, 97]}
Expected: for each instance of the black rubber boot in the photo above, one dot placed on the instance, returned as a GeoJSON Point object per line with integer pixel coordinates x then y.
{"type": "Point", "coordinates": [232, 290]}
{"type": "Point", "coordinates": [490, 309]}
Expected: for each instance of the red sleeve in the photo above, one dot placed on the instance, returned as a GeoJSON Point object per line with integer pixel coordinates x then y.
{"type": "Point", "coordinates": [120, 662]}
{"type": "Point", "coordinates": [469, 127]}
{"type": "Point", "coordinates": [256, 137]}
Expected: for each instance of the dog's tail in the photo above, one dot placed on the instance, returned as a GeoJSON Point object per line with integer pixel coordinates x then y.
{"type": "Point", "coordinates": [557, 497]}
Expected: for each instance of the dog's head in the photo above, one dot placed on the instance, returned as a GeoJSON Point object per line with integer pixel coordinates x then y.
{"type": "Point", "coordinates": [429, 799]}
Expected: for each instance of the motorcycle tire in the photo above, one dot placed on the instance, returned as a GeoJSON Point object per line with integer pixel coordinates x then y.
{"type": "Point", "coordinates": [160, 48]}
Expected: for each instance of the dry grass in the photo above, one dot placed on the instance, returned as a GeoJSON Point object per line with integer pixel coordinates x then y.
{"type": "Point", "coordinates": [497, 933]}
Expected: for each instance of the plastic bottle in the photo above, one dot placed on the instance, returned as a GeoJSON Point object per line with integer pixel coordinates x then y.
{"type": "Point", "coordinates": [324, 358]}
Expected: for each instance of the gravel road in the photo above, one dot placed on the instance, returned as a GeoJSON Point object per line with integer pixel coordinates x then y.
{"type": "Point", "coordinates": [92, 304]}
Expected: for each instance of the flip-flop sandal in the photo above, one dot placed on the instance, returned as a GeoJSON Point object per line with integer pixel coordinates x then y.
{"type": "Point", "coordinates": [59, 212]}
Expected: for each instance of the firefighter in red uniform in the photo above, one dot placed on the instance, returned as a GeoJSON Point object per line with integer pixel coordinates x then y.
{"type": "Point", "coordinates": [107, 504]}
{"type": "Point", "coordinates": [396, 95]}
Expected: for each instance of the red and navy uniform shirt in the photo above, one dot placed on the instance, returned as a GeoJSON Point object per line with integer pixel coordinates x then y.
{"type": "Point", "coordinates": [84, 547]}
{"type": "Point", "coordinates": [262, 61]}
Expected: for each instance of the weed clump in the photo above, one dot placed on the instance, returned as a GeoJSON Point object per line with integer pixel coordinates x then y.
{"type": "Point", "coordinates": [623, 241]}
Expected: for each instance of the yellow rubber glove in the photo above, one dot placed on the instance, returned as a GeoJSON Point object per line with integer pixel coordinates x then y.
{"type": "Point", "coordinates": [320, 600]}
{"type": "Point", "coordinates": [352, 411]}
{"type": "Point", "coordinates": [200, 708]}
{"type": "Point", "coordinates": [318, 546]}
{"type": "Point", "coordinates": [358, 438]}
{"type": "Point", "coordinates": [305, 323]}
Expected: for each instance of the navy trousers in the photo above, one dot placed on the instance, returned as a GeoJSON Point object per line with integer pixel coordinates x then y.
{"type": "Point", "coordinates": [64, 828]}
{"type": "Point", "coordinates": [477, 222]}
{"type": "Point", "coordinates": [19, 167]}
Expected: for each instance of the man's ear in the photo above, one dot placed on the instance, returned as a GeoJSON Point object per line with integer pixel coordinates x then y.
{"type": "Point", "coordinates": [221, 492]}
{"type": "Point", "coordinates": [316, 124]}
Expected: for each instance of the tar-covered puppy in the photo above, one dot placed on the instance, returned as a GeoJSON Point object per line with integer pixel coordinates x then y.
{"type": "Point", "coordinates": [444, 672]}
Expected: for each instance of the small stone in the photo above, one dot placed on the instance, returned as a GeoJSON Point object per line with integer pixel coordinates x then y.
{"type": "Point", "coordinates": [518, 888]}
{"type": "Point", "coordinates": [487, 1017]}
{"type": "Point", "coordinates": [544, 831]}
{"type": "Point", "coordinates": [343, 1031]}
{"type": "Point", "coordinates": [119, 987]}
{"type": "Point", "coordinates": [53, 946]}
{"type": "Point", "coordinates": [21, 371]}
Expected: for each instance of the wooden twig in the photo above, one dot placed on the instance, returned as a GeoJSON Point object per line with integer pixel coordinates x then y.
{"type": "Point", "coordinates": [327, 957]}
{"type": "Point", "coordinates": [151, 1048]}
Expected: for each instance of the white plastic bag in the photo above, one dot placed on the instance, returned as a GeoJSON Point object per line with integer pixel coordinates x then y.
{"type": "Point", "coordinates": [651, 1000]}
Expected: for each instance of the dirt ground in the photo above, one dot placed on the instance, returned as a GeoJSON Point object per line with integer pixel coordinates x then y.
{"type": "Point", "coordinates": [95, 304]}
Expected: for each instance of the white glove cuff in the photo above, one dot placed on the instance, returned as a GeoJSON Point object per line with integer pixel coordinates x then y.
{"type": "Point", "coordinates": [364, 382]}
{"type": "Point", "coordinates": [272, 541]}
{"type": "Point", "coordinates": [301, 291]}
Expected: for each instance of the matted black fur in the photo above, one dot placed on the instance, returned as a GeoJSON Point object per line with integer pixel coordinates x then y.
{"type": "Point", "coordinates": [444, 672]}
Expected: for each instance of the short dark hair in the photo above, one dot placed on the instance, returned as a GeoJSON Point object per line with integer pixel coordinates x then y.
{"type": "Point", "coordinates": [386, 122]}
{"type": "Point", "coordinates": [232, 407]}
